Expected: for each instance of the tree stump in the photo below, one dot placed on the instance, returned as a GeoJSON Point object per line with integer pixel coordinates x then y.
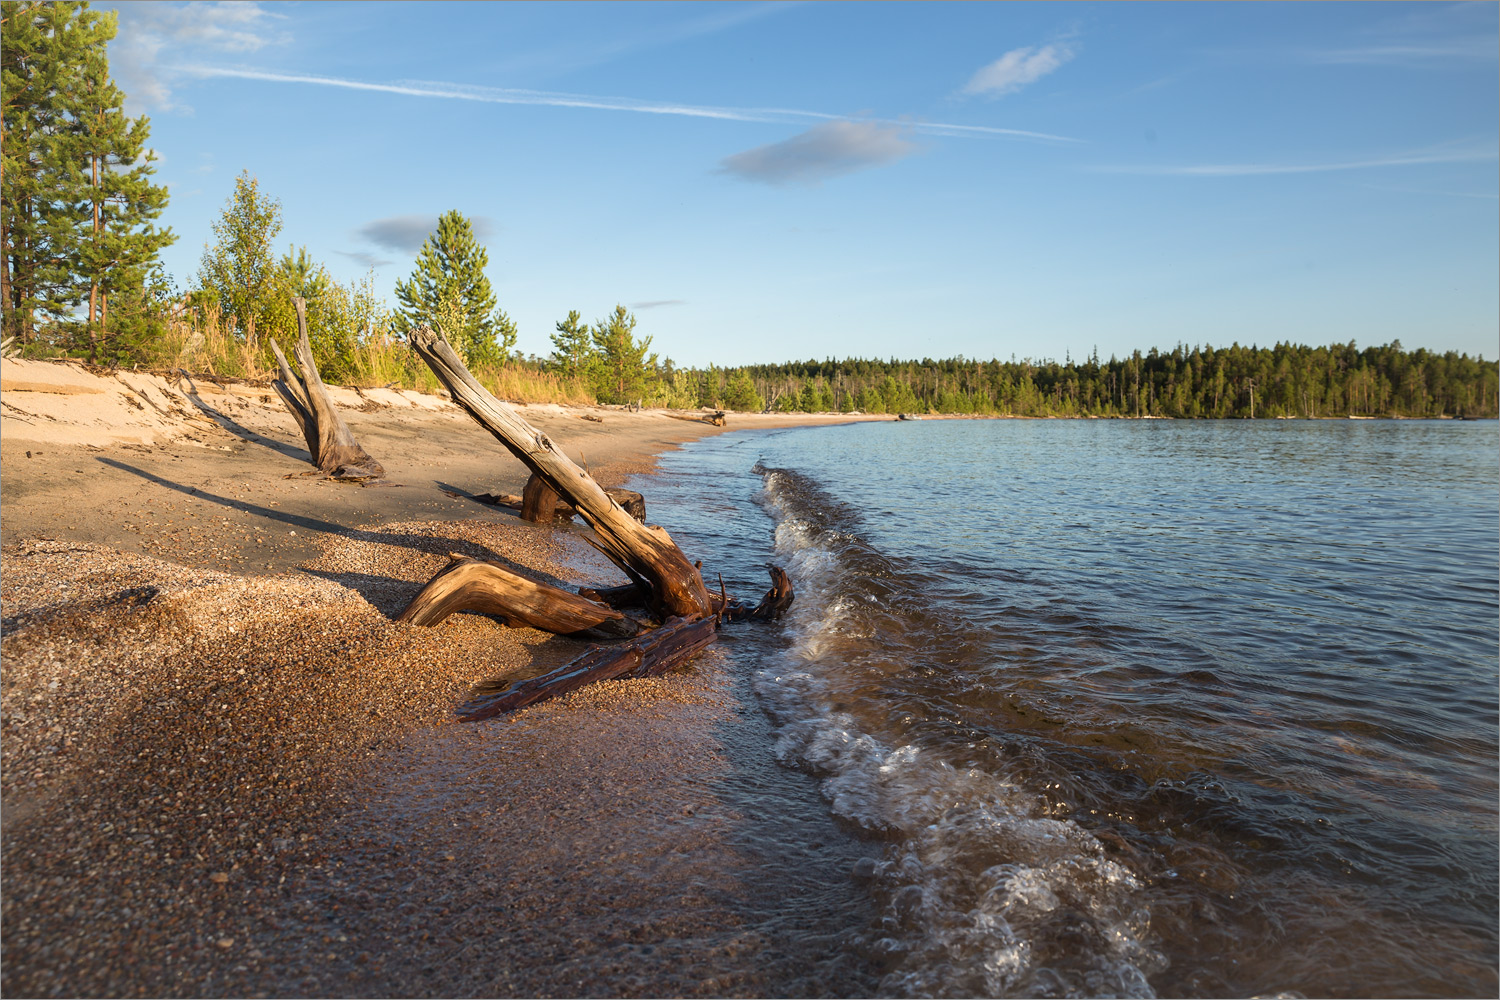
{"type": "Point", "coordinates": [329, 441]}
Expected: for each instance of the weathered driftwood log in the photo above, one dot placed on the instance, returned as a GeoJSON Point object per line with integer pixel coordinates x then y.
{"type": "Point", "coordinates": [655, 652]}
{"type": "Point", "coordinates": [645, 553]}
{"type": "Point", "coordinates": [468, 584]}
{"type": "Point", "coordinates": [717, 419]}
{"type": "Point", "coordinates": [329, 441]}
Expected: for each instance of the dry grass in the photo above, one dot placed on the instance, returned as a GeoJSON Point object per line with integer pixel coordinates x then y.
{"type": "Point", "coordinates": [204, 345]}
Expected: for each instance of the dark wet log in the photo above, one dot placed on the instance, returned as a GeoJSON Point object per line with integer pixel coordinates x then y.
{"type": "Point", "coordinates": [626, 596]}
{"type": "Point", "coordinates": [562, 513]}
{"type": "Point", "coordinates": [656, 652]}
{"type": "Point", "coordinates": [645, 553]}
{"type": "Point", "coordinates": [771, 607]}
{"type": "Point", "coordinates": [539, 501]}
{"type": "Point", "coordinates": [468, 584]}
{"type": "Point", "coordinates": [329, 441]}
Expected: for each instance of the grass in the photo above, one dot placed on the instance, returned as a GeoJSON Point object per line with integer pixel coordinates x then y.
{"type": "Point", "coordinates": [207, 347]}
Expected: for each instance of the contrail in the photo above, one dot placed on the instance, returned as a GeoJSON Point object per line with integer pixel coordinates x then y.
{"type": "Point", "coordinates": [501, 95]}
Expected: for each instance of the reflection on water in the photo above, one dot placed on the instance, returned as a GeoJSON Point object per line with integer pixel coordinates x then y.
{"type": "Point", "coordinates": [1174, 708]}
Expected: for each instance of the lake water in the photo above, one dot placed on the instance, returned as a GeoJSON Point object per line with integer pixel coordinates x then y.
{"type": "Point", "coordinates": [1134, 707]}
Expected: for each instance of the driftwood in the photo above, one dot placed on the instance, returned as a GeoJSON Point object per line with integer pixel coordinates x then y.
{"type": "Point", "coordinates": [540, 504]}
{"type": "Point", "coordinates": [656, 652]}
{"type": "Point", "coordinates": [662, 580]}
{"type": "Point", "coordinates": [717, 419]}
{"type": "Point", "coordinates": [329, 441]}
{"type": "Point", "coordinates": [468, 584]}
{"type": "Point", "coordinates": [771, 607]}
{"type": "Point", "coordinates": [645, 553]}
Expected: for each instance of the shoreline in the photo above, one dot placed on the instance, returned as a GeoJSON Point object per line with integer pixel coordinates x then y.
{"type": "Point", "coordinates": [229, 772]}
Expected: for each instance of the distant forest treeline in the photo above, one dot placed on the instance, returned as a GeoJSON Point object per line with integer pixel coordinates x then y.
{"type": "Point", "coordinates": [1288, 380]}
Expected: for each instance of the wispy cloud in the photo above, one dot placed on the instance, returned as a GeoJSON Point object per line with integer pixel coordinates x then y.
{"type": "Point", "coordinates": [1016, 69]}
{"type": "Point", "coordinates": [1475, 195]}
{"type": "Point", "coordinates": [1464, 49]}
{"type": "Point", "coordinates": [406, 233]}
{"type": "Point", "coordinates": [1433, 35]}
{"type": "Point", "coordinates": [1459, 155]}
{"type": "Point", "coordinates": [154, 35]}
{"type": "Point", "coordinates": [578, 54]}
{"type": "Point", "coordinates": [367, 259]}
{"type": "Point", "coordinates": [823, 151]}
{"type": "Point", "coordinates": [657, 304]}
{"type": "Point", "coordinates": [505, 95]}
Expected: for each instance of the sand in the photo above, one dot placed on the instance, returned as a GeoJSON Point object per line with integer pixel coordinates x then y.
{"type": "Point", "coordinates": [226, 770]}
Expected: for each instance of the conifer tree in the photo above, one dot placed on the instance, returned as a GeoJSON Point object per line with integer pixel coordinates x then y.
{"type": "Point", "coordinates": [572, 346]}
{"type": "Point", "coordinates": [120, 243]}
{"type": "Point", "coordinates": [78, 202]}
{"type": "Point", "coordinates": [238, 267]}
{"type": "Point", "coordinates": [624, 367]}
{"type": "Point", "coordinates": [740, 394]}
{"type": "Point", "coordinates": [449, 289]}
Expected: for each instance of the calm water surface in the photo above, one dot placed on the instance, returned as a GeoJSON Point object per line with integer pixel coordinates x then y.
{"type": "Point", "coordinates": [1135, 708]}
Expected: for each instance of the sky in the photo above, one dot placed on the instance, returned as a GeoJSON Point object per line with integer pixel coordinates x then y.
{"type": "Point", "coordinates": [775, 182]}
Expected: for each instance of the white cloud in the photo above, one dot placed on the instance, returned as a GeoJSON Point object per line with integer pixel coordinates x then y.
{"type": "Point", "coordinates": [154, 35]}
{"type": "Point", "coordinates": [825, 150]}
{"type": "Point", "coordinates": [1016, 69]}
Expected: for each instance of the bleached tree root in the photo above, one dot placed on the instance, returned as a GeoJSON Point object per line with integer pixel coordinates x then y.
{"type": "Point", "coordinates": [329, 441]}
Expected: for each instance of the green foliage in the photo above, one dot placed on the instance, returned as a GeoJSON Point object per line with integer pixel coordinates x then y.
{"type": "Point", "coordinates": [572, 347]}
{"type": "Point", "coordinates": [238, 267]}
{"type": "Point", "coordinates": [623, 370]}
{"type": "Point", "coordinates": [78, 201]}
{"type": "Point", "coordinates": [740, 394]}
{"type": "Point", "coordinates": [449, 290]}
{"type": "Point", "coordinates": [1283, 381]}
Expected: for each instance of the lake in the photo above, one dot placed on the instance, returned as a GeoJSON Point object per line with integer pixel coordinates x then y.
{"type": "Point", "coordinates": [1133, 707]}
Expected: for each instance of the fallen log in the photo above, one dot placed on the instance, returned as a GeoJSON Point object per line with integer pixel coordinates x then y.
{"type": "Point", "coordinates": [645, 553]}
{"type": "Point", "coordinates": [717, 419]}
{"type": "Point", "coordinates": [468, 584]}
{"type": "Point", "coordinates": [653, 653]}
{"type": "Point", "coordinates": [329, 441]}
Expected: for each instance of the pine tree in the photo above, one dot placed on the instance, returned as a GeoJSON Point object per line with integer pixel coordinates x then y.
{"type": "Point", "coordinates": [77, 198]}
{"type": "Point", "coordinates": [624, 367]}
{"type": "Point", "coordinates": [572, 346]}
{"type": "Point", "coordinates": [238, 267]}
{"type": "Point", "coordinates": [449, 289]}
{"type": "Point", "coordinates": [740, 394]}
{"type": "Point", "coordinates": [120, 244]}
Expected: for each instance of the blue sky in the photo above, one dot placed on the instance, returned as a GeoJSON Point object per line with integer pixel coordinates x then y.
{"type": "Point", "coordinates": [768, 182]}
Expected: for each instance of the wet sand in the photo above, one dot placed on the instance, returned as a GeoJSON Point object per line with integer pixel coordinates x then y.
{"type": "Point", "coordinates": [227, 770]}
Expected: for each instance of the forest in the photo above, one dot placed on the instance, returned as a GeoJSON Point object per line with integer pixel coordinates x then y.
{"type": "Point", "coordinates": [82, 278]}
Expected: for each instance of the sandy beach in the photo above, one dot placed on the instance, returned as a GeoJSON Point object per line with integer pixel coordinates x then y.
{"type": "Point", "coordinates": [228, 771]}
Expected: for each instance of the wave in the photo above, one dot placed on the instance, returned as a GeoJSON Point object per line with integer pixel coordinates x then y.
{"type": "Point", "coordinates": [981, 891]}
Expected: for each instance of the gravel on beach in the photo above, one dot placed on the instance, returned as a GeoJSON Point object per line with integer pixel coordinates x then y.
{"type": "Point", "coordinates": [224, 785]}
